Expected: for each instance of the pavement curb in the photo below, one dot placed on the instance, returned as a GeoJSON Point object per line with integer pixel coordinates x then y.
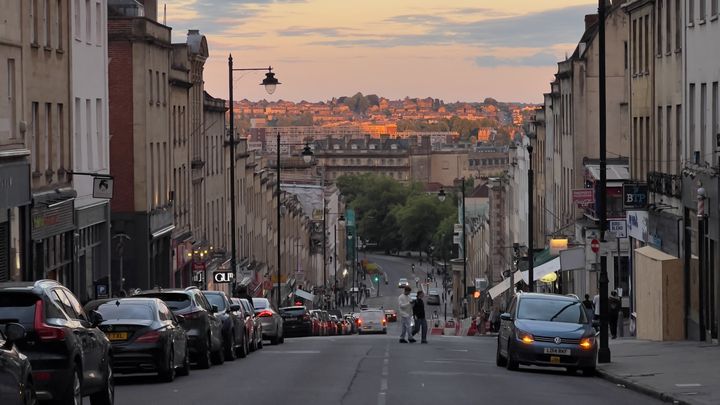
{"type": "Point", "coordinates": [641, 388]}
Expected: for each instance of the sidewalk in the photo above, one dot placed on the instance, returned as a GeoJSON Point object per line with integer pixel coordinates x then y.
{"type": "Point", "coordinates": [679, 372]}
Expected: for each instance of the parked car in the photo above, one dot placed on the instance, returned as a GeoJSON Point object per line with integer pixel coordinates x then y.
{"type": "Point", "coordinates": [547, 330]}
{"type": "Point", "coordinates": [433, 296]}
{"type": "Point", "coordinates": [296, 321]}
{"type": "Point", "coordinates": [318, 326]}
{"type": "Point", "coordinates": [248, 323]}
{"type": "Point", "coordinates": [329, 324]}
{"type": "Point", "coordinates": [145, 336]}
{"type": "Point", "coordinates": [272, 322]}
{"type": "Point", "coordinates": [203, 327]}
{"type": "Point", "coordinates": [69, 355]}
{"type": "Point", "coordinates": [16, 383]}
{"type": "Point", "coordinates": [352, 323]}
{"type": "Point", "coordinates": [391, 315]}
{"type": "Point", "coordinates": [337, 324]}
{"type": "Point", "coordinates": [372, 321]}
{"type": "Point", "coordinates": [257, 340]}
{"type": "Point", "coordinates": [233, 325]}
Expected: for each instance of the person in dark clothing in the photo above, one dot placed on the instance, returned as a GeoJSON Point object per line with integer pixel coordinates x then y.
{"type": "Point", "coordinates": [419, 314]}
{"type": "Point", "coordinates": [614, 306]}
{"type": "Point", "coordinates": [589, 307]}
{"type": "Point", "coordinates": [242, 292]}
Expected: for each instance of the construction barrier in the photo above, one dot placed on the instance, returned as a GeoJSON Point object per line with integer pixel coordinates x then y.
{"type": "Point", "coordinates": [450, 328]}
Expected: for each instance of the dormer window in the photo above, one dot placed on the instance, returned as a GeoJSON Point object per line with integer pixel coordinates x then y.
{"type": "Point", "coordinates": [353, 147]}
{"type": "Point", "coordinates": [372, 147]}
{"type": "Point", "coordinates": [336, 147]}
{"type": "Point", "coordinates": [393, 146]}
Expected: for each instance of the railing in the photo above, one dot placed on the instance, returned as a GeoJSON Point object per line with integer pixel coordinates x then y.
{"type": "Point", "coordinates": [666, 184]}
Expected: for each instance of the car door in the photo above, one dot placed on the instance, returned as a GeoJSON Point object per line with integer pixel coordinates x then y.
{"type": "Point", "coordinates": [176, 333]}
{"type": "Point", "coordinates": [237, 320]}
{"type": "Point", "coordinates": [214, 321]}
{"type": "Point", "coordinates": [506, 327]}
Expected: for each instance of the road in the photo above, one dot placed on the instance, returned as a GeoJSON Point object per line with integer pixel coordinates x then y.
{"type": "Point", "coordinates": [373, 370]}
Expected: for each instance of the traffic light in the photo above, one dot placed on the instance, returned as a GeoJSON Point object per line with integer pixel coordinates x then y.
{"type": "Point", "coordinates": [376, 278]}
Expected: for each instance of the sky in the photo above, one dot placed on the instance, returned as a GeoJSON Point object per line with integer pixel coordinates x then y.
{"type": "Point", "coordinates": [455, 50]}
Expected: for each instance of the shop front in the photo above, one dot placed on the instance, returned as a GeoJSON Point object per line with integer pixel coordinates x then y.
{"type": "Point", "coordinates": [14, 201]}
{"type": "Point", "coordinates": [52, 225]}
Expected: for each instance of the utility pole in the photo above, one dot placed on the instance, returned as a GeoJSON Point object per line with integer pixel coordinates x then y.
{"type": "Point", "coordinates": [604, 351]}
{"type": "Point", "coordinates": [279, 202]}
{"type": "Point", "coordinates": [231, 141]}
{"type": "Point", "coordinates": [531, 195]}
{"type": "Point", "coordinates": [464, 251]}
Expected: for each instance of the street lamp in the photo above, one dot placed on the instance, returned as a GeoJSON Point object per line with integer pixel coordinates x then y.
{"type": "Point", "coordinates": [270, 83]}
{"type": "Point", "coordinates": [531, 193]}
{"type": "Point", "coordinates": [307, 156]}
{"type": "Point", "coordinates": [441, 197]}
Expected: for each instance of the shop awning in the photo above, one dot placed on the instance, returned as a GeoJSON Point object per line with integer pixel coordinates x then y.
{"type": "Point", "coordinates": [538, 273]}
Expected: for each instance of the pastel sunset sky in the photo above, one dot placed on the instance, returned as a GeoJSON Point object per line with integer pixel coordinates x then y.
{"type": "Point", "coordinates": [462, 50]}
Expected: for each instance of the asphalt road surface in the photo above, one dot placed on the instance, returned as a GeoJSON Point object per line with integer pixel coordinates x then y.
{"type": "Point", "coordinates": [375, 369]}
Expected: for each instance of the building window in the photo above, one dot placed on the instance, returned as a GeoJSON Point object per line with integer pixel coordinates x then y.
{"type": "Point", "coordinates": [60, 147]}
{"type": "Point", "coordinates": [157, 87]}
{"type": "Point", "coordinates": [12, 96]}
{"type": "Point", "coordinates": [98, 24]}
{"type": "Point", "coordinates": [691, 11]}
{"type": "Point", "coordinates": [78, 156]}
{"type": "Point", "coordinates": [703, 121]}
{"type": "Point", "coordinates": [691, 123]}
{"type": "Point", "coordinates": [646, 44]}
{"type": "Point", "coordinates": [88, 135]}
{"type": "Point", "coordinates": [48, 138]}
{"type": "Point", "coordinates": [150, 85]}
{"type": "Point", "coordinates": [658, 26]}
{"type": "Point", "coordinates": [668, 30]}
{"type": "Point", "coordinates": [59, 24]}
{"type": "Point", "coordinates": [164, 89]}
{"type": "Point", "coordinates": [88, 22]}
{"type": "Point", "coordinates": [99, 134]}
{"type": "Point", "coordinates": [714, 7]}
{"type": "Point", "coordinates": [47, 22]}
{"type": "Point", "coordinates": [669, 152]}
{"type": "Point", "coordinates": [703, 10]}
{"type": "Point", "coordinates": [635, 46]}
{"type": "Point", "coordinates": [715, 125]}
{"type": "Point", "coordinates": [678, 24]}
{"type": "Point", "coordinates": [33, 21]}
{"type": "Point", "coordinates": [659, 140]}
{"type": "Point", "coordinates": [678, 137]}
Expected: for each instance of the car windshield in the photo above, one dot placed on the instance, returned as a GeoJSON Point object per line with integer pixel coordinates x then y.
{"type": "Point", "coordinates": [17, 307]}
{"type": "Point", "coordinates": [217, 300]}
{"type": "Point", "coordinates": [551, 310]}
{"type": "Point", "coordinates": [111, 310]}
{"type": "Point", "coordinates": [293, 311]}
{"type": "Point", "coordinates": [372, 315]}
{"type": "Point", "coordinates": [174, 301]}
{"type": "Point", "coordinates": [260, 303]}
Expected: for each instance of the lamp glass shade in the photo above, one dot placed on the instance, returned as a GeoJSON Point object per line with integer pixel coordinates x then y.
{"type": "Point", "coordinates": [442, 195]}
{"type": "Point", "coordinates": [270, 88]}
{"type": "Point", "coordinates": [307, 154]}
{"type": "Point", "coordinates": [270, 82]}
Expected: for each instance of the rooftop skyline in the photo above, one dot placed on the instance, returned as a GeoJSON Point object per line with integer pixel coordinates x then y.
{"type": "Point", "coordinates": [460, 50]}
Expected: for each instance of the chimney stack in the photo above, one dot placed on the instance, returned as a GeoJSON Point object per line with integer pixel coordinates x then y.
{"type": "Point", "coordinates": [150, 9]}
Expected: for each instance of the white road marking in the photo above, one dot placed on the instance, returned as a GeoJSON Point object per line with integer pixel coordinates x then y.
{"type": "Point", "coordinates": [689, 385]}
{"type": "Point", "coordinates": [291, 351]}
{"type": "Point", "coordinates": [384, 380]}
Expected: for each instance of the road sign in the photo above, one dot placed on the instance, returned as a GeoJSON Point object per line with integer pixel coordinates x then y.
{"type": "Point", "coordinates": [595, 245]}
{"type": "Point", "coordinates": [102, 187]}
{"type": "Point", "coordinates": [618, 227]}
{"type": "Point", "coordinates": [584, 197]}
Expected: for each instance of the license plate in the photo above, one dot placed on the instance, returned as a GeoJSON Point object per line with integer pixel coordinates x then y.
{"type": "Point", "coordinates": [555, 359]}
{"type": "Point", "coordinates": [553, 350]}
{"type": "Point", "coordinates": [117, 335]}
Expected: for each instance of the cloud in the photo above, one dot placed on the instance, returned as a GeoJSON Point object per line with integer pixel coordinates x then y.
{"type": "Point", "coordinates": [311, 31]}
{"type": "Point", "coordinates": [538, 59]}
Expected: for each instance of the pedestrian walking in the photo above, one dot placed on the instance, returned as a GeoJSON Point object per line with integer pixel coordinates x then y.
{"type": "Point", "coordinates": [419, 314]}
{"type": "Point", "coordinates": [405, 312]}
{"type": "Point", "coordinates": [596, 307]}
{"type": "Point", "coordinates": [614, 306]}
{"type": "Point", "coordinates": [589, 307]}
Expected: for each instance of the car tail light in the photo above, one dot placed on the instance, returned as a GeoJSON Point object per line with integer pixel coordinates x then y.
{"type": "Point", "coordinates": [150, 337]}
{"type": "Point", "coordinates": [193, 315]}
{"type": "Point", "coordinates": [359, 321]}
{"type": "Point", "coordinates": [45, 332]}
{"type": "Point", "coordinates": [41, 376]}
{"type": "Point", "coordinates": [264, 314]}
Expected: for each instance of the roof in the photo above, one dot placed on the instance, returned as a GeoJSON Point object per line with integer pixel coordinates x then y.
{"type": "Point", "coordinates": [613, 172]}
{"type": "Point", "coordinates": [557, 297]}
{"type": "Point", "coordinates": [652, 253]}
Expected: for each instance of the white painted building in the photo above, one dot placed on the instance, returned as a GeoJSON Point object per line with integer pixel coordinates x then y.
{"type": "Point", "coordinates": [90, 140]}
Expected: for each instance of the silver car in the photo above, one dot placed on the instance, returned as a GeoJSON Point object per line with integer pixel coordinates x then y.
{"type": "Point", "coordinates": [272, 322]}
{"type": "Point", "coordinates": [547, 330]}
{"type": "Point", "coordinates": [372, 321]}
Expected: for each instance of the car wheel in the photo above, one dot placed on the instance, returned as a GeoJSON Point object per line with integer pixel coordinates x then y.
{"type": "Point", "coordinates": [500, 361]}
{"type": "Point", "coordinates": [107, 395]}
{"type": "Point", "coordinates": [29, 394]}
{"type": "Point", "coordinates": [204, 355]}
{"type": "Point", "coordinates": [511, 364]}
{"type": "Point", "coordinates": [589, 371]}
{"type": "Point", "coordinates": [253, 344]}
{"type": "Point", "coordinates": [230, 353]}
{"type": "Point", "coordinates": [260, 343]}
{"type": "Point", "coordinates": [218, 356]}
{"type": "Point", "coordinates": [167, 373]}
{"type": "Point", "coordinates": [242, 349]}
{"type": "Point", "coordinates": [281, 339]}
{"type": "Point", "coordinates": [185, 369]}
{"type": "Point", "coordinates": [74, 394]}
{"type": "Point", "coordinates": [274, 340]}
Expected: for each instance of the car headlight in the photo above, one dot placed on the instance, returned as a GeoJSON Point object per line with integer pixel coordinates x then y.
{"type": "Point", "coordinates": [587, 343]}
{"type": "Point", "coordinates": [524, 337]}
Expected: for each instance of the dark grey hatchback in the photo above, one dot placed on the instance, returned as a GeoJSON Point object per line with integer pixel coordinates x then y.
{"type": "Point", "coordinates": [547, 330]}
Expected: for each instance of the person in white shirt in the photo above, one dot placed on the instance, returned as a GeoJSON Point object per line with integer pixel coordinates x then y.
{"type": "Point", "coordinates": [405, 312]}
{"type": "Point", "coordinates": [596, 305]}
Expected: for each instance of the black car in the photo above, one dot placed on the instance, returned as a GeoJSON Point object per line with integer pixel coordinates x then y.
{"type": "Point", "coordinates": [16, 386]}
{"type": "Point", "coordinates": [69, 355]}
{"type": "Point", "coordinates": [233, 324]}
{"type": "Point", "coordinates": [145, 336]}
{"type": "Point", "coordinates": [203, 327]}
{"type": "Point", "coordinates": [296, 321]}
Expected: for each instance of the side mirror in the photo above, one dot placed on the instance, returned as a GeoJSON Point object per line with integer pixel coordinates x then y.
{"type": "Point", "coordinates": [14, 332]}
{"type": "Point", "coordinates": [506, 317]}
{"type": "Point", "coordinates": [180, 319]}
{"type": "Point", "coordinates": [214, 309]}
{"type": "Point", "coordinates": [95, 318]}
{"type": "Point", "coordinates": [235, 307]}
